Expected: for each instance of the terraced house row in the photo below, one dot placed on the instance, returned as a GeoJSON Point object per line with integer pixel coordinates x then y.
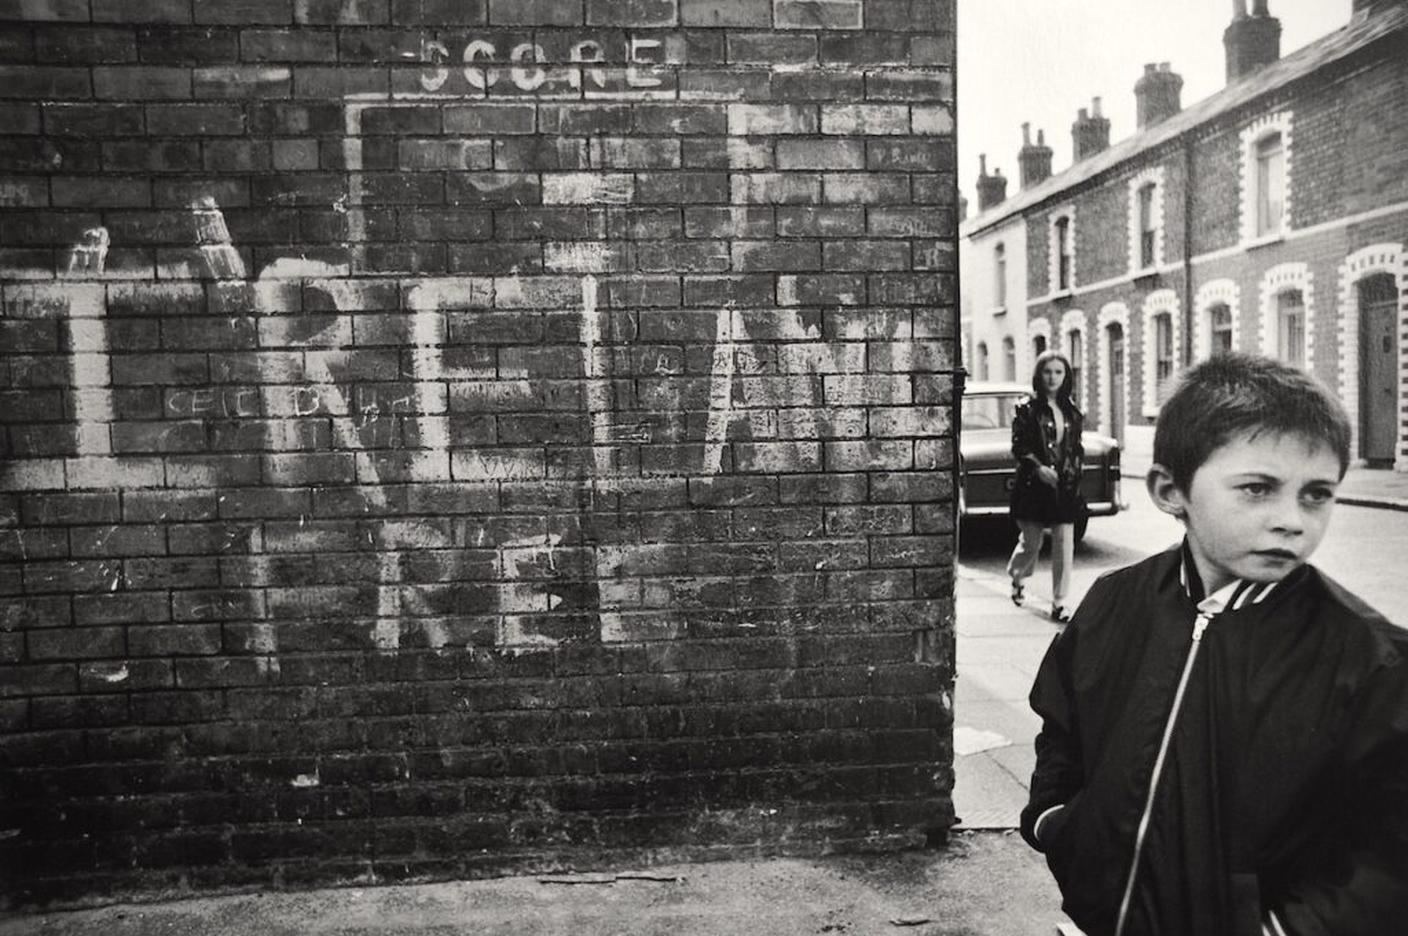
{"type": "Point", "coordinates": [1270, 217]}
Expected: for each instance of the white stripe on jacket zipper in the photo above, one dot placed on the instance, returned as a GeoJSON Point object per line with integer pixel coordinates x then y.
{"type": "Point", "coordinates": [1199, 625]}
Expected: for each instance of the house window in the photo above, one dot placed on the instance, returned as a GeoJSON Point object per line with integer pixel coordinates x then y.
{"type": "Point", "coordinates": [1163, 349]}
{"type": "Point", "coordinates": [999, 286]}
{"type": "Point", "coordinates": [1220, 326]}
{"type": "Point", "coordinates": [1290, 327]}
{"type": "Point", "coordinates": [1147, 232]}
{"type": "Point", "coordinates": [1270, 185]}
{"type": "Point", "coordinates": [1075, 351]}
{"type": "Point", "coordinates": [982, 361]}
{"type": "Point", "coordinates": [1038, 346]}
{"type": "Point", "coordinates": [1063, 254]}
{"type": "Point", "coordinates": [1009, 359]}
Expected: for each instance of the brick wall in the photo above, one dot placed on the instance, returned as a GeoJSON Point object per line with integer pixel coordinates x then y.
{"type": "Point", "coordinates": [1102, 234]}
{"type": "Point", "coordinates": [1217, 208]}
{"type": "Point", "coordinates": [444, 438]}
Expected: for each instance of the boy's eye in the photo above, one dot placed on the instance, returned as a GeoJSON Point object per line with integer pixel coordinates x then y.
{"type": "Point", "coordinates": [1257, 489]}
{"type": "Point", "coordinates": [1318, 496]}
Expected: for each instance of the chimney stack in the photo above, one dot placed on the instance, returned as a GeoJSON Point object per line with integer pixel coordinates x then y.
{"type": "Point", "coordinates": [1252, 41]}
{"type": "Point", "coordinates": [1090, 132]}
{"type": "Point", "coordinates": [992, 189]}
{"type": "Point", "coordinates": [962, 207]}
{"type": "Point", "coordinates": [1159, 94]}
{"type": "Point", "coordinates": [1035, 160]}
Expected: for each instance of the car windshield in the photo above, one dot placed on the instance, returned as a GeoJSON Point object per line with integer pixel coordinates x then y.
{"type": "Point", "coordinates": [990, 410]}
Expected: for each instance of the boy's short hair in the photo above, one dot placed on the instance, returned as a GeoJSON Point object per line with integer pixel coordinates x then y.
{"type": "Point", "coordinates": [1233, 394]}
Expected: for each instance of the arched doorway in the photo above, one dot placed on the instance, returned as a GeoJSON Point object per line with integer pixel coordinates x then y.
{"type": "Point", "coordinates": [1115, 363]}
{"type": "Point", "coordinates": [1378, 369]}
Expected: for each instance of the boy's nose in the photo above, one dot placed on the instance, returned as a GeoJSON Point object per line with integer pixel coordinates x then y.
{"type": "Point", "coordinates": [1290, 516]}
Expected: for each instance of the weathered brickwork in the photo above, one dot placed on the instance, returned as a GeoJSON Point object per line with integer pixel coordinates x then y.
{"type": "Point", "coordinates": [1347, 195]}
{"type": "Point", "coordinates": [444, 438]}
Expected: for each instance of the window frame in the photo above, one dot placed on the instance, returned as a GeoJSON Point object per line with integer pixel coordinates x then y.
{"type": "Point", "coordinates": [1215, 329]}
{"type": "Point", "coordinates": [1161, 347]}
{"type": "Point", "coordinates": [1075, 353]}
{"type": "Point", "coordinates": [1285, 315]}
{"type": "Point", "coordinates": [1145, 192]}
{"type": "Point", "coordinates": [1253, 136]}
{"type": "Point", "coordinates": [1061, 251]}
{"type": "Point", "coordinates": [1063, 254]}
{"type": "Point", "coordinates": [1270, 205]}
{"type": "Point", "coordinates": [1163, 351]}
{"type": "Point", "coordinates": [1000, 276]}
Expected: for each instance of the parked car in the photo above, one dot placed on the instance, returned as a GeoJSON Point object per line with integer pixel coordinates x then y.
{"type": "Point", "coordinates": [987, 470]}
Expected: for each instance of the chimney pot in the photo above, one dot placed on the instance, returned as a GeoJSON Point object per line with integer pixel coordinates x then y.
{"type": "Point", "coordinates": [1091, 132]}
{"type": "Point", "coordinates": [1034, 159]}
{"type": "Point", "coordinates": [1158, 94]}
{"type": "Point", "coordinates": [992, 189]}
{"type": "Point", "coordinates": [1251, 42]}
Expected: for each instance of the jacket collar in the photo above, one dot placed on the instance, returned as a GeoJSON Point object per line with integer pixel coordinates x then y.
{"type": "Point", "coordinates": [1233, 596]}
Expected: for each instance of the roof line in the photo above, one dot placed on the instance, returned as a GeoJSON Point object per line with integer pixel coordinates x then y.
{"type": "Point", "coordinates": [1363, 29]}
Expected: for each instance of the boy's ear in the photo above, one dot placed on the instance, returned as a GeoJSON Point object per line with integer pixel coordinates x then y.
{"type": "Point", "coordinates": [1165, 493]}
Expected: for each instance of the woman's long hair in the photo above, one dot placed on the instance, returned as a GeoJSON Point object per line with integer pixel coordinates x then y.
{"type": "Point", "coordinates": [1063, 394]}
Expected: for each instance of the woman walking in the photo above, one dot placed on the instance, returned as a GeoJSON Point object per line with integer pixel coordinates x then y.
{"type": "Point", "coordinates": [1046, 432]}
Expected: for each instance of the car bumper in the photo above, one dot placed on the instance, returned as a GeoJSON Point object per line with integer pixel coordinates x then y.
{"type": "Point", "coordinates": [1104, 507]}
{"type": "Point", "coordinates": [1097, 509]}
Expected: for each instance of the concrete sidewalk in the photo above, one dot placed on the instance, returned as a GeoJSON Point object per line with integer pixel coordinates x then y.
{"type": "Point", "coordinates": [1000, 647]}
{"type": "Point", "coordinates": [1364, 487]}
{"type": "Point", "coordinates": [982, 883]}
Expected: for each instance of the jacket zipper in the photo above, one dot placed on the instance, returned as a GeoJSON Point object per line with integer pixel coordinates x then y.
{"type": "Point", "coordinates": [1199, 625]}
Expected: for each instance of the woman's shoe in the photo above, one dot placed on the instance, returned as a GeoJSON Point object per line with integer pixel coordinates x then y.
{"type": "Point", "coordinates": [1018, 593]}
{"type": "Point", "coordinates": [1060, 615]}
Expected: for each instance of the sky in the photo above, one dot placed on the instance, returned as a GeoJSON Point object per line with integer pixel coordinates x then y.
{"type": "Point", "coordinates": [1042, 60]}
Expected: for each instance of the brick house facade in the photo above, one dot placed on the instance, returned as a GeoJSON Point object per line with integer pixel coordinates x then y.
{"type": "Point", "coordinates": [449, 437]}
{"type": "Point", "coordinates": [1184, 243]}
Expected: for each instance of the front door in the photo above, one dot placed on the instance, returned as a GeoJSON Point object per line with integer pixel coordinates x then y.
{"type": "Point", "coordinates": [1115, 334]}
{"type": "Point", "coordinates": [1378, 369]}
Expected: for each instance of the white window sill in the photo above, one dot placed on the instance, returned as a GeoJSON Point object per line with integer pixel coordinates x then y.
{"type": "Point", "coordinates": [1066, 293]}
{"type": "Point", "coordinates": [1264, 241]}
{"type": "Point", "coordinates": [1151, 412]}
{"type": "Point", "coordinates": [1000, 310]}
{"type": "Point", "coordinates": [1151, 270]}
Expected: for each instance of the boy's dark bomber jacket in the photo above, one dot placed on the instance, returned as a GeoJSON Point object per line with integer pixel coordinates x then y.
{"type": "Point", "coordinates": [1286, 783]}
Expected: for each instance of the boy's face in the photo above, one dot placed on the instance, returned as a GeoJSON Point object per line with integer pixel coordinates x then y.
{"type": "Point", "coordinates": [1257, 508]}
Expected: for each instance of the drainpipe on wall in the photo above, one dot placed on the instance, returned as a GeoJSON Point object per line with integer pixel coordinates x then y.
{"type": "Point", "coordinates": [1188, 190]}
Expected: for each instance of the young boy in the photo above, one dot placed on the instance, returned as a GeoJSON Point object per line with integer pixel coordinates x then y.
{"type": "Point", "coordinates": [1224, 749]}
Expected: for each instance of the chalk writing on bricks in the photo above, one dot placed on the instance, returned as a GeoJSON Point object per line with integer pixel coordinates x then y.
{"type": "Point", "coordinates": [528, 66]}
{"type": "Point", "coordinates": [399, 407]}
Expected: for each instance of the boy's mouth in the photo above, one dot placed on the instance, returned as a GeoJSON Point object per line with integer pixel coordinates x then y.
{"type": "Point", "coordinates": [1282, 554]}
